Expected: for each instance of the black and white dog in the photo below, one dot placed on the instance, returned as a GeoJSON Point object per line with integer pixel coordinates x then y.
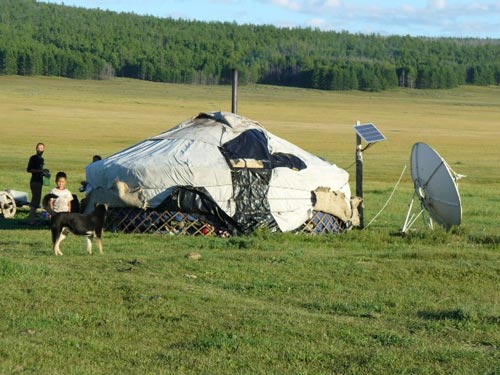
{"type": "Point", "coordinates": [62, 223]}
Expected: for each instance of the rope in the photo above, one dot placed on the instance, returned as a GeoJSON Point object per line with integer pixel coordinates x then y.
{"type": "Point", "coordinates": [390, 197]}
{"type": "Point", "coordinates": [349, 167]}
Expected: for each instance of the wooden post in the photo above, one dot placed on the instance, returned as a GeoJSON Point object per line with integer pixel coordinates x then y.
{"type": "Point", "coordinates": [359, 178]}
{"type": "Point", "coordinates": [234, 94]}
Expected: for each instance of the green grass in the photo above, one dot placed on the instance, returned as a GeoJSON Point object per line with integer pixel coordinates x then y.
{"type": "Point", "coordinates": [367, 302]}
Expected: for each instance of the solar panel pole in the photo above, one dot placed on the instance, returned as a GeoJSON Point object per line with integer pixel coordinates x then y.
{"type": "Point", "coordinates": [234, 93]}
{"type": "Point", "coordinates": [359, 177]}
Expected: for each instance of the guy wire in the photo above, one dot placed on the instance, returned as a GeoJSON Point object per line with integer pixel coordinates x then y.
{"type": "Point", "coordinates": [390, 197]}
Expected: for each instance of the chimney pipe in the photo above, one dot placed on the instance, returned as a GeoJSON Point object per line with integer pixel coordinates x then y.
{"type": "Point", "coordinates": [234, 104]}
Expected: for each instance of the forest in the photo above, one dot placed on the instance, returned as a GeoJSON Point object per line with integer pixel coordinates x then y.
{"type": "Point", "coordinates": [38, 38]}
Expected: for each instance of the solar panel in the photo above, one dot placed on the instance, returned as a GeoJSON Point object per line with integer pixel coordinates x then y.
{"type": "Point", "coordinates": [369, 133]}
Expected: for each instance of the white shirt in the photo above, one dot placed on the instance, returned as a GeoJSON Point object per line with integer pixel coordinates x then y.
{"type": "Point", "coordinates": [61, 204]}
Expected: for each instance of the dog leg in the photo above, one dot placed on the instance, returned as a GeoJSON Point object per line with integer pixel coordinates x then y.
{"type": "Point", "coordinates": [99, 243]}
{"type": "Point", "coordinates": [60, 238]}
{"type": "Point", "coordinates": [89, 244]}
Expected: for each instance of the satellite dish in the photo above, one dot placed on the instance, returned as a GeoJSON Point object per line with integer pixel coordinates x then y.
{"type": "Point", "coordinates": [435, 187]}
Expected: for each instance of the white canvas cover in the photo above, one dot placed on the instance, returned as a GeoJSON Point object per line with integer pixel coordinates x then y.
{"type": "Point", "coordinates": [190, 155]}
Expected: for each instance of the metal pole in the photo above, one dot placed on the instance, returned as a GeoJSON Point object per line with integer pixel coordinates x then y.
{"type": "Point", "coordinates": [359, 178]}
{"type": "Point", "coordinates": [234, 94]}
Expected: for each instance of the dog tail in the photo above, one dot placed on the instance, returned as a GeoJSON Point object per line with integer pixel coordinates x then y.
{"type": "Point", "coordinates": [46, 203]}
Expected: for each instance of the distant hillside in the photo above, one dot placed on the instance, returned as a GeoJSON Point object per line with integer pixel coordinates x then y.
{"type": "Point", "coordinates": [47, 39]}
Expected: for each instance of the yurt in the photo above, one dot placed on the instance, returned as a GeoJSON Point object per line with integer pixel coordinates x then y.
{"type": "Point", "coordinates": [220, 173]}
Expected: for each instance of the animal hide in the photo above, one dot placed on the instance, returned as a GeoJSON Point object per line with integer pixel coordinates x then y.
{"type": "Point", "coordinates": [131, 197]}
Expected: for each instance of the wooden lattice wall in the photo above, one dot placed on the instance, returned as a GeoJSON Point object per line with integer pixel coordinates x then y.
{"type": "Point", "coordinates": [135, 220]}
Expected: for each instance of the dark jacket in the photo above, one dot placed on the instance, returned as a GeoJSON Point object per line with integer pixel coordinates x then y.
{"type": "Point", "coordinates": [36, 162]}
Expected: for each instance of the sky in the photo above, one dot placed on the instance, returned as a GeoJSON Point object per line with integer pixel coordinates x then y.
{"type": "Point", "coordinates": [431, 18]}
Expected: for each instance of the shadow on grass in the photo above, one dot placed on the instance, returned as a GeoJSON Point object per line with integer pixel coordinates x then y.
{"type": "Point", "coordinates": [22, 224]}
{"type": "Point", "coordinates": [459, 315]}
{"type": "Point", "coordinates": [454, 314]}
{"type": "Point", "coordinates": [484, 239]}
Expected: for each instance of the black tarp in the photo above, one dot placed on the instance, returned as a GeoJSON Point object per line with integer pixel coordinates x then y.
{"type": "Point", "coordinates": [197, 200]}
{"type": "Point", "coordinates": [250, 182]}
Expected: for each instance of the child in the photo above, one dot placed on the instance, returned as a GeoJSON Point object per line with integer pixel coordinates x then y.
{"type": "Point", "coordinates": [63, 202]}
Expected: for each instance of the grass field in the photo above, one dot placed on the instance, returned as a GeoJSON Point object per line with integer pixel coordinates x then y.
{"type": "Point", "coordinates": [367, 302]}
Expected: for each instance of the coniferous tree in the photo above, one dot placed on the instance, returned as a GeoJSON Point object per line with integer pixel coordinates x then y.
{"type": "Point", "coordinates": [37, 38]}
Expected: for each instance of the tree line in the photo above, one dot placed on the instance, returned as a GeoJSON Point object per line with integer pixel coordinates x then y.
{"type": "Point", "coordinates": [38, 38]}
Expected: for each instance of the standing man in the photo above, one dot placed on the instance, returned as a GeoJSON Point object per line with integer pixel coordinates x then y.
{"type": "Point", "coordinates": [35, 167]}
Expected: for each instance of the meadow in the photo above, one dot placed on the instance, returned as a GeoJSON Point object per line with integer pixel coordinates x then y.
{"type": "Point", "coordinates": [365, 302]}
